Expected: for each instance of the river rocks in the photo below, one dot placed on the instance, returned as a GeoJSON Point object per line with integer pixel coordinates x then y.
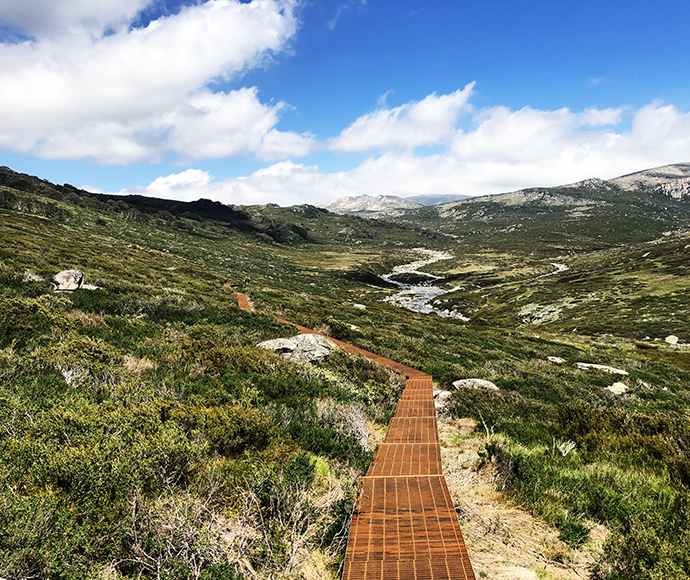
{"type": "Point", "coordinates": [301, 348]}
{"type": "Point", "coordinates": [618, 388]}
{"type": "Point", "coordinates": [68, 280]}
{"type": "Point", "coordinates": [555, 359]}
{"type": "Point", "coordinates": [611, 370]}
{"type": "Point", "coordinates": [442, 400]}
{"type": "Point", "coordinates": [475, 384]}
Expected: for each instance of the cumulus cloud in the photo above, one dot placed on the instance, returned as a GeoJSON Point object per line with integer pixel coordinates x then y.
{"type": "Point", "coordinates": [185, 186]}
{"type": "Point", "coordinates": [427, 122]}
{"type": "Point", "coordinates": [217, 125]}
{"type": "Point", "coordinates": [504, 151]}
{"type": "Point", "coordinates": [137, 93]}
{"type": "Point", "coordinates": [40, 18]}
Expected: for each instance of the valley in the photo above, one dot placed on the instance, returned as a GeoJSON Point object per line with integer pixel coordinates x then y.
{"type": "Point", "coordinates": [145, 435]}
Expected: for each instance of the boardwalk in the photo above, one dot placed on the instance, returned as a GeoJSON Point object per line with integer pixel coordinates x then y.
{"type": "Point", "coordinates": [405, 526]}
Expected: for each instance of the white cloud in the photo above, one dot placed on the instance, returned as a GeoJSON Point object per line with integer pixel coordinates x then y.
{"type": "Point", "coordinates": [331, 24]}
{"type": "Point", "coordinates": [136, 93]}
{"type": "Point", "coordinates": [217, 125]}
{"type": "Point", "coordinates": [186, 186]}
{"type": "Point", "coordinates": [40, 18]}
{"type": "Point", "coordinates": [427, 122]}
{"type": "Point", "coordinates": [505, 151]}
{"type": "Point", "coordinates": [598, 117]}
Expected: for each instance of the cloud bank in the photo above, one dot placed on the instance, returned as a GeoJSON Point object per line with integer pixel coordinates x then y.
{"type": "Point", "coordinates": [90, 86]}
{"type": "Point", "coordinates": [502, 151]}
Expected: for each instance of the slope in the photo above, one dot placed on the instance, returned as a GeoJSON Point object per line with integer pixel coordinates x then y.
{"type": "Point", "coordinates": [116, 402]}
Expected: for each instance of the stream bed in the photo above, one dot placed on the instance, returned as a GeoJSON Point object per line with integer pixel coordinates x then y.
{"type": "Point", "coordinates": [418, 297]}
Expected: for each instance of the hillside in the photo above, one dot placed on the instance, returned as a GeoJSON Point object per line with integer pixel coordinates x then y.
{"type": "Point", "coordinates": [590, 215]}
{"type": "Point", "coordinates": [145, 435]}
{"type": "Point", "coordinates": [381, 206]}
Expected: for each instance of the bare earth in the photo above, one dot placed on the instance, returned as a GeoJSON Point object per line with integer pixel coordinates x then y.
{"type": "Point", "coordinates": [504, 542]}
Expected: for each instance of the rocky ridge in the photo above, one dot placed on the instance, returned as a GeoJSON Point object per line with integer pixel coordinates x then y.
{"type": "Point", "coordinates": [670, 180]}
{"type": "Point", "coordinates": [383, 205]}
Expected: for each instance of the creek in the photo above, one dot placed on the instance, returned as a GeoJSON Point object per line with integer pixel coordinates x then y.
{"type": "Point", "coordinates": [418, 297]}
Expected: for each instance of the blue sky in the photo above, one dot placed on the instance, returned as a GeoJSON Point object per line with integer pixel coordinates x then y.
{"type": "Point", "coordinates": [292, 101]}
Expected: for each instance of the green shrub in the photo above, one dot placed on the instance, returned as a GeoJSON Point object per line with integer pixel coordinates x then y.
{"type": "Point", "coordinates": [571, 531]}
{"type": "Point", "coordinates": [228, 429]}
{"type": "Point", "coordinates": [23, 321]}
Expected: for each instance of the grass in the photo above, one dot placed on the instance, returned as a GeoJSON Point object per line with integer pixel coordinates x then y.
{"type": "Point", "coordinates": [144, 407]}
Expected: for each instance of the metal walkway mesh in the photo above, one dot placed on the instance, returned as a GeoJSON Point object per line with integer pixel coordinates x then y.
{"type": "Point", "coordinates": [405, 526]}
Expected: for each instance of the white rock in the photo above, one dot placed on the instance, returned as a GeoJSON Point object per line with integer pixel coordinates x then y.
{"type": "Point", "coordinates": [475, 384]}
{"type": "Point", "coordinates": [672, 339]}
{"type": "Point", "coordinates": [556, 359]}
{"type": "Point", "coordinates": [31, 277]}
{"type": "Point", "coordinates": [300, 348]}
{"type": "Point", "coordinates": [360, 306]}
{"type": "Point", "coordinates": [442, 400]}
{"type": "Point", "coordinates": [618, 388]}
{"type": "Point", "coordinates": [68, 280]}
{"type": "Point", "coordinates": [611, 370]}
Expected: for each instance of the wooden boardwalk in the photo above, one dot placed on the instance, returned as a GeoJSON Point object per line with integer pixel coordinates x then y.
{"type": "Point", "coordinates": [405, 526]}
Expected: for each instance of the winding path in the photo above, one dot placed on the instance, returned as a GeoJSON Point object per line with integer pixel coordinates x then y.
{"type": "Point", "coordinates": [405, 526]}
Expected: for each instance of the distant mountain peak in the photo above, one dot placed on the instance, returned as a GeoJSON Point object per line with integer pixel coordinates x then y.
{"type": "Point", "coordinates": [671, 180]}
{"type": "Point", "coordinates": [592, 183]}
{"type": "Point", "coordinates": [377, 206]}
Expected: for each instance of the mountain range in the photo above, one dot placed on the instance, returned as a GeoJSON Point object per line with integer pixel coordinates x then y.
{"type": "Point", "coordinates": [585, 215]}
{"type": "Point", "coordinates": [379, 206]}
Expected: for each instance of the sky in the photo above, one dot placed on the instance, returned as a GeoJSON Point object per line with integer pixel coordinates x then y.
{"type": "Point", "coordinates": [306, 101]}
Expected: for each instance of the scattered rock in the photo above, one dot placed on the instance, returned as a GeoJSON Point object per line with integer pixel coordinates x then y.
{"type": "Point", "coordinates": [587, 366]}
{"type": "Point", "coordinates": [68, 280]}
{"type": "Point", "coordinates": [672, 339]}
{"type": "Point", "coordinates": [475, 384]}
{"type": "Point", "coordinates": [442, 400]}
{"type": "Point", "coordinates": [618, 388]}
{"type": "Point", "coordinates": [556, 359]}
{"type": "Point", "coordinates": [360, 306]}
{"type": "Point", "coordinates": [301, 348]}
{"type": "Point", "coordinates": [31, 277]}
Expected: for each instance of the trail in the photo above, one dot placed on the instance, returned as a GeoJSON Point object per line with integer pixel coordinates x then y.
{"type": "Point", "coordinates": [405, 525]}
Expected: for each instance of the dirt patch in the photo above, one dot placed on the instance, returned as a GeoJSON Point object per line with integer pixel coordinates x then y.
{"type": "Point", "coordinates": [504, 541]}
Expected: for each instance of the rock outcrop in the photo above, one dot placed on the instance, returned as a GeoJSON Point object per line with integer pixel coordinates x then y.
{"type": "Point", "coordinates": [611, 370]}
{"type": "Point", "coordinates": [442, 400]}
{"type": "Point", "coordinates": [301, 348]}
{"type": "Point", "coordinates": [68, 280]}
{"type": "Point", "coordinates": [618, 388]}
{"type": "Point", "coordinates": [475, 384]}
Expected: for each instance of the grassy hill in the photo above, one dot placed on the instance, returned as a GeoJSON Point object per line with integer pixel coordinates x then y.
{"type": "Point", "coordinates": [144, 434]}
